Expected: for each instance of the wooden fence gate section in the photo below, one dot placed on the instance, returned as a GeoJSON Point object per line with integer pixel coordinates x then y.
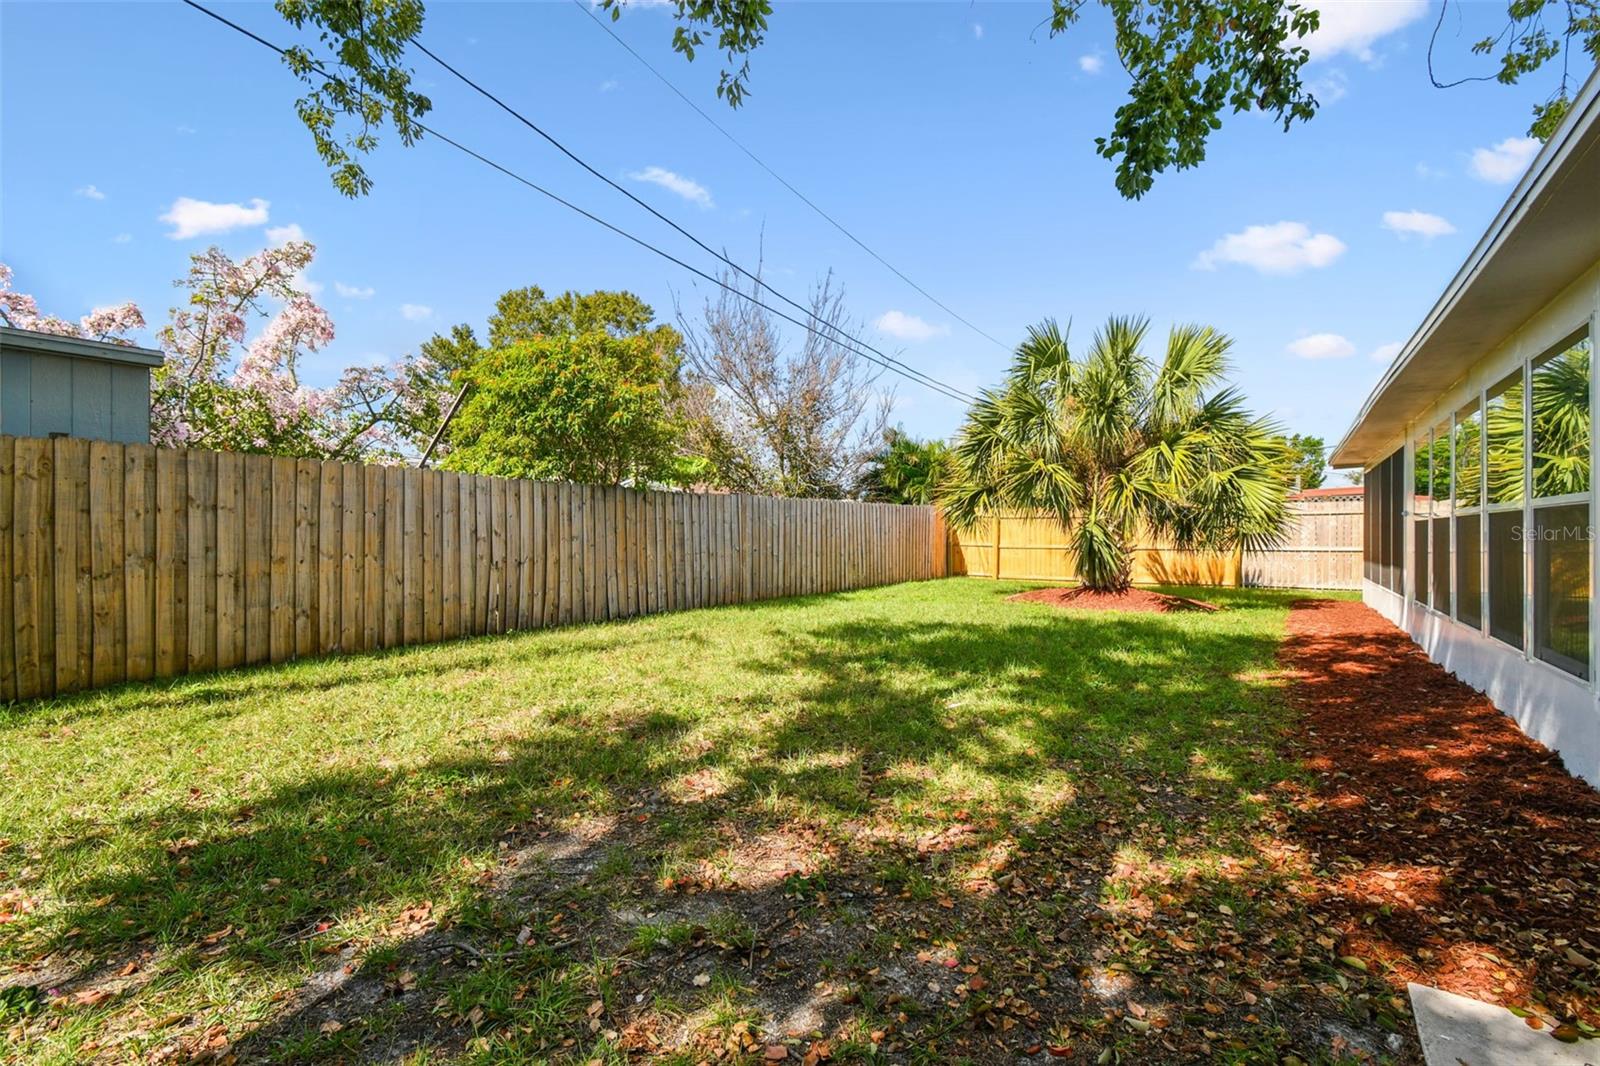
{"type": "Point", "coordinates": [1323, 550]}
{"type": "Point", "coordinates": [124, 562]}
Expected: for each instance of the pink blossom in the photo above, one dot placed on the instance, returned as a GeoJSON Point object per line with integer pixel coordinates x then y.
{"type": "Point", "coordinates": [52, 324]}
{"type": "Point", "coordinates": [105, 323]}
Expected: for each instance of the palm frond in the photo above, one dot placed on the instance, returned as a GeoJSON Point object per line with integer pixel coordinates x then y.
{"type": "Point", "coordinates": [1197, 358]}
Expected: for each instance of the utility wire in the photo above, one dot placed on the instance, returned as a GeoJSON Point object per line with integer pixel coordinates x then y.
{"type": "Point", "coordinates": [755, 278]}
{"type": "Point", "coordinates": [911, 374]}
{"type": "Point", "coordinates": [779, 178]}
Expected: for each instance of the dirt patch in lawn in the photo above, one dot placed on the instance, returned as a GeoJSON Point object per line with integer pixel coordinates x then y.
{"type": "Point", "coordinates": [1134, 601]}
{"type": "Point", "coordinates": [1451, 848]}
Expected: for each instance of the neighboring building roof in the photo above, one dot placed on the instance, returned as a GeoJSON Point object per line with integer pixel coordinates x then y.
{"type": "Point", "coordinates": [1544, 238]}
{"type": "Point", "coordinates": [27, 340]}
{"type": "Point", "coordinates": [1332, 492]}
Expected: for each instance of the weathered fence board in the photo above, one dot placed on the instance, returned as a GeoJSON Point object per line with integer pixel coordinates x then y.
{"type": "Point", "coordinates": [125, 561]}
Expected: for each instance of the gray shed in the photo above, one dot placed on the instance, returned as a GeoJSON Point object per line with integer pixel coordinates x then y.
{"type": "Point", "coordinates": [66, 386]}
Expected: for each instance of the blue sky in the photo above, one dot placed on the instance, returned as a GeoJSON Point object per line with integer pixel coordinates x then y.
{"type": "Point", "coordinates": [956, 139]}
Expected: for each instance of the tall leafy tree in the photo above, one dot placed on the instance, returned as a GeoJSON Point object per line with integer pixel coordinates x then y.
{"type": "Point", "coordinates": [523, 314]}
{"type": "Point", "coordinates": [1187, 61]}
{"type": "Point", "coordinates": [1308, 460]}
{"type": "Point", "coordinates": [519, 315]}
{"type": "Point", "coordinates": [1113, 441]}
{"type": "Point", "coordinates": [585, 407]}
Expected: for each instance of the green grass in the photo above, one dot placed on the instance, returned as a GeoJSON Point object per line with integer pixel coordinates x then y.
{"type": "Point", "coordinates": [227, 832]}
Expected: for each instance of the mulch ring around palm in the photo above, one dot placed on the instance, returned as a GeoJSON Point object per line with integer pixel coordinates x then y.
{"type": "Point", "coordinates": [1134, 601]}
{"type": "Point", "coordinates": [1450, 848]}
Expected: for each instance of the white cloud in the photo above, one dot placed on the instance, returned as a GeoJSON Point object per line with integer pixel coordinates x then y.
{"type": "Point", "coordinates": [122, 238]}
{"type": "Point", "coordinates": [906, 327]}
{"type": "Point", "coordinates": [977, 31]}
{"type": "Point", "coordinates": [687, 188]}
{"type": "Point", "coordinates": [186, 129]}
{"type": "Point", "coordinates": [281, 235]}
{"type": "Point", "coordinates": [415, 312]}
{"type": "Point", "coordinates": [1279, 248]}
{"type": "Point", "coordinates": [1321, 346]}
{"type": "Point", "coordinates": [354, 292]}
{"type": "Point", "coordinates": [89, 192]}
{"type": "Point", "coordinates": [1428, 172]}
{"type": "Point", "coordinates": [1353, 26]}
{"type": "Point", "coordinates": [195, 218]}
{"type": "Point", "coordinates": [608, 85]}
{"type": "Point", "coordinates": [1091, 64]}
{"type": "Point", "coordinates": [1331, 87]}
{"type": "Point", "coordinates": [1506, 161]}
{"type": "Point", "coordinates": [1419, 223]}
{"type": "Point", "coordinates": [1385, 353]}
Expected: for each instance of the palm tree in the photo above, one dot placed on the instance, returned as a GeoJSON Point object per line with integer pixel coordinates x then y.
{"type": "Point", "coordinates": [1112, 442]}
{"type": "Point", "coordinates": [905, 469]}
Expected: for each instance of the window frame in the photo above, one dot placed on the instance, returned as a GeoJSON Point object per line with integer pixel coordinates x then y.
{"type": "Point", "coordinates": [1421, 433]}
{"type": "Point", "coordinates": [1473, 408]}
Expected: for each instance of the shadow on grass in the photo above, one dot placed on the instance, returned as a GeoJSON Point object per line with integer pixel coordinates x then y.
{"type": "Point", "coordinates": [877, 722]}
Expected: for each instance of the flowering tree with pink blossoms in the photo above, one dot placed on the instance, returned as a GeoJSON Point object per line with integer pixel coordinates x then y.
{"type": "Point", "coordinates": [222, 388]}
{"type": "Point", "coordinates": [102, 324]}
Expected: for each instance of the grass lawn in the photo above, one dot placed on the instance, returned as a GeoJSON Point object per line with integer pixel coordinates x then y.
{"type": "Point", "coordinates": [919, 823]}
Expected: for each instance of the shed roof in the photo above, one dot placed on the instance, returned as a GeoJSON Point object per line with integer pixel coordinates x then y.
{"type": "Point", "coordinates": [1544, 237]}
{"type": "Point", "coordinates": [28, 340]}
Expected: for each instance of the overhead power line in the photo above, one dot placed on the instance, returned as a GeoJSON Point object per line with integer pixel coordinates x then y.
{"type": "Point", "coordinates": [754, 277]}
{"type": "Point", "coordinates": [910, 374]}
{"type": "Point", "coordinates": [588, 10]}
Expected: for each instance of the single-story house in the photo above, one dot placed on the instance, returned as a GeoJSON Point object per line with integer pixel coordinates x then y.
{"type": "Point", "coordinates": [1476, 453]}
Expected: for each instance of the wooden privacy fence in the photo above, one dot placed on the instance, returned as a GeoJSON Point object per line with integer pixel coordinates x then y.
{"type": "Point", "coordinates": [1322, 551]}
{"type": "Point", "coordinates": [123, 562]}
{"type": "Point", "coordinates": [1031, 547]}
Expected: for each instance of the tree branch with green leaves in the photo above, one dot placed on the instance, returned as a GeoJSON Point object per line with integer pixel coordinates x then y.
{"type": "Point", "coordinates": [1189, 62]}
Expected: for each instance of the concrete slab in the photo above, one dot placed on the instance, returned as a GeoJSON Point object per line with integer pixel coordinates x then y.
{"type": "Point", "coordinates": [1457, 1031]}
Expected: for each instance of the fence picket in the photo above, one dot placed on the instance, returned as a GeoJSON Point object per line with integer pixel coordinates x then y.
{"type": "Point", "coordinates": [30, 545]}
{"type": "Point", "coordinates": [108, 556]}
{"type": "Point", "coordinates": [71, 468]}
{"type": "Point", "coordinates": [329, 534]}
{"type": "Point", "coordinates": [432, 556]}
{"type": "Point", "coordinates": [411, 560]}
{"type": "Point", "coordinates": [171, 560]}
{"type": "Point", "coordinates": [8, 612]}
{"type": "Point", "coordinates": [281, 555]}
{"type": "Point", "coordinates": [139, 560]}
{"type": "Point", "coordinates": [352, 556]}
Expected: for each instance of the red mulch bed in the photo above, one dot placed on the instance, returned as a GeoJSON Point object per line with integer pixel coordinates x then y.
{"type": "Point", "coordinates": [1451, 848]}
{"type": "Point", "coordinates": [1137, 601]}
